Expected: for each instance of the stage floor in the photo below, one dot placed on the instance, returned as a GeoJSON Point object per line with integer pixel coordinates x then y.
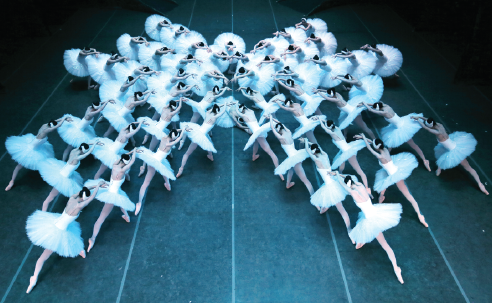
{"type": "Point", "coordinates": [229, 230]}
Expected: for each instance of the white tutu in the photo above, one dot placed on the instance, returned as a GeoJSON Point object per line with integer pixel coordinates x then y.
{"type": "Point", "coordinates": [362, 65]}
{"type": "Point", "coordinates": [309, 77]}
{"type": "Point", "coordinates": [208, 58]}
{"type": "Point", "coordinates": [117, 120]}
{"type": "Point", "coordinates": [147, 56]}
{"type": "Point", "coordinates": [183, 44]}
{"type": "Point", "coordinates": [74, 63]}
{"type": "Point", "coordinates": [318, 24]}
{"type": "Point", "coordinates": [171, 63]}
{"type": "Point", "coordinates": [297, 35]}
{"type": "Point", "coordinates": [389, 64]}
{"type": "Point", "coordinates": [343, 156]}
{"type": "Point", "coordinates": [261, 132]}
{"type": "Point", "coordinates": [161, 100]}
{"type": "Point", "coordinates": [291, 161]}
{"type": "Point", "coordinates": [262, 80]}
{"type": "Point", "coordinates": [373, 88]}
{"type": "Point", "coordinates": [465, 146]}
{"type": "Point", "coordinates": [50, 171]}
{"type": "Point", "coordinates": [43, 232]}
{"type": "Point", "coordinates": [329, 194]}
{"type": "Point", "coordinates": [153, 128]}
{"type": "Point", "coordinates": [307, 52]}
{"type": "Point", "coordinates": [152, 27]}
{"type": "Point", "coordinates": [344, 120]}
{"type": "Point", "coordinates": [334, 67]}
{"type": "Point", "coordinates": [73, 134]}
{"type": "Point", "coordinates": [204, 82]}
{"type": "Point", "coordinates": [168, 36]}
{"type": "Point", "coordinates": [160, 83]}
{"type": "Point", "coordinates": [328, 44]}
{"type": "Point", "coordinates": [311, 103]}
{"type": "Point", "coordinates": [119, 198]}
{"type": "Point", "coordinates": [124, 70]}
{"type": "Point", "coordinates": [225, 121]}
{"type": "Point", "coordinates": [110, 90]}
{"type": "Point", "coordinates": [224, 38]}
{"type": "Point", "coordinates": [110, 152]}
{"type": "Point", "coordinates": [381, 218]}
{"type": "Point", "coordinates": [406, 163]}
{"type": "Point", "coordinates": [394, 136]}
{"type": "Point", "coordinates": [277, 46]}
{"type": "Point", "coordinates": [195, 135]}
{"type": "Point", "coordinates": [306, 127]}
{"type": "Point", "coordinates": [29, 151]}
{"type": "Point", "coordinates": [163, 167]}
{"type": "Point", "coordinates": [126, 47]}
{"type": "Point", "coordinates": [99, 70]}
{"type": "Point", "coordinates": [269, 107]}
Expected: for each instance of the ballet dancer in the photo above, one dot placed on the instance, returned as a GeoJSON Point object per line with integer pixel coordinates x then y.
{"type": "Point", "coordinates": [307, 124]}
{"type": "Point", "coordinates": [359, 62]}
{"type": "Point", "coordinates": [312, 25]}
{"type": "Point", "coordinates": [395, 169]}
{"type": "Point", "coordinates": [400, 130]}
{"type": "Point", "coordinates": [451, 150]}
{"type": "Point", "coordinates": [154, 24]}
{"type": "Point", "coordinates": [293, 163]}
{"type": "Point", "coordinates": [324, 41]}
{"type": "Point", "coordinates": [373, 219]}
{"type": "Point", "coordinates": [101, 67]}
{"type": "Point", "coordinates": [328, 67]}
{"type": "Point", "coordinates": [75, 62]}
{"type": "Point", "coordinates": [389, 59]}
{"type": "Point", "coordinates": [59, 233]}
{"type": "Point", "coordinates": [269, 108]}
{"type": "Point", "coordinates": [311, 102]}
{"type": "Point", "coordinates": [259, 79]}
{"type": "Point", "coordinates": [169, 35]}
{"type": "Point", "coordinates": [29, 150]}
{"type": "Point", "coordinates": [285, 72]}
{"type": "Point", "coordinates": [128, 46]}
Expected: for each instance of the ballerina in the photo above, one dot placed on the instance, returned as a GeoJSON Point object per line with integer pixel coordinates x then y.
{"type": "Point", "coordinates": [395, 169]}
{"type": "Point", "coordinates": [101, 68]}
{"type": "Point", "coordinates": [257, 79]}
{"type": "Point", "coordinates": [218, 57]}
{"type": "Point", "coordinates": [292, 34]}
{"type": "Point", "coordinates": [128, 46]}
{"type": "Point", "coordinates": [113, 195]}
{"type": "Point", "coordinates": [329, 67]}
{"type": "Point", "coordinates": [389, 59]}
{"type": "Point", "coordinates": [154, 24]}
{"type": "Point", "coordinates": [285, 72]}
{"type": "Point", "coordinates": [173, 62]}
{"type": "Point", "coordinates": [206, 77]}
{"type": "Point", "coordinates": [134, 69]}
{"type": "Point", "coordinates": [58, 233]}
{"type": "Point", "coordinates": [29, 150]}
{"type": "Point", "coordinates": [312, 25]}
{"type": "Point", "coordinates": [269, 108]}
{"type": "Point", "coordinates": [400, 130]}
{"type": "Point", "coordinates": [169, 35]}
{"type": "Point", "coordinates": [199, 135]}
{"type": "Point", "coordinates": [451, 150]}
{"type": "Point", "coordinates": [373, 219]}
{"type": "Point", "coordinates": [118, 91]}
{"type": "Point", "coordinates": [324, 41]}
{"type": "Point", "coordinates": [307, 124]}
{"type": "Point", "coordinates": [293, 163]}
{"type": "Point", "coordinates": [75, 62]}
{"type": "Point", "coordinates": [311, 102]}
{"type": "Point", "coordinates": [112, 150]}
{"type": "Point", "coordinates": [349, 111]}
{"type": "Point", "coordinates": [300, 52]}
{"type": "Point", "coordinates": [371, 87]}
{"type": "Point", "coordinates": [230, 43]}
{"type": "Point", "coordinates": [151, 56]}
{"type": "Point", "coordinates": [80, 131]}
{"type": "Point", "coordinates": [347, 151]}
{"type": "Point", "coordinates": [359, 63]}
{"type": "Point", "coordinates": [157, 161]}
{"type": "Point", "coordinates": [269, 46]}
{"type": "Point", "coordinates": [189, 43]}
{"type": "Point", "coordinates": [62, 175]}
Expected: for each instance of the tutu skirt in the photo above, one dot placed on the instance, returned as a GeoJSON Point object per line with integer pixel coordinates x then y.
{"type": "Point", "coordinates": [152, 27]}
{"type": "Point", "coordinates": [291, 161]}
{"type": "Point", "coordinates": [406, 163]}
{"type": "Point", "coordinates": [116, 120]}
{"type": "Point", "coordinates": [110, 90]}
{"type": "Point", "coordinates": [106, 153]}
{"type": "Point", "coordinates": [391, 62]}
{"type": "Point", "coordinates": [261, 132]}
{"type": "Point", "coordinates": [126, 47]}
{"type": "Point", "coordinates": [99, 70]}
{"type": "Point", "coordinates": [152, 128]}
{"type": "Point", "coordinates": [344, 120]}
{"type": "Point", "coordinates": [328, 195]}
{"type": "Point", "coordinates": [362, 66]}
{"type": "Point", "coordinates": [75, 63]}
{"type": "Point", "coordinates": [23, 152]}
{"type": "Point", "coordinates": [42, 231]}
{"type": "Point", "coordinates": [394, 136]}
{"type": "Point", "coordinates": [385, 217]}
{"type": "Point", "coordinates": [119, 198]}
{"type": "Point", "coordinates": [261, 81]}
{"type": "Point", "coordinates": [67, 186]}
{"type": "Point", "coordinates": [196, 136]}
{"type": "Point", "coordinates": [301, 130]}
{"type": "Point", "coordinates": [74, 136]}
{"type": "Point", "coordinates": [225, 121]}
{"type": "Point", "coordinates": [147, 55]}
{"type": "Point", "coordinates": [373, 88]}
{"type": "Point", "coordinates": [343, 156]}
{"type": "Point", "coordinates": [465, 146]}
{"type": "Point", "coordinates": [163, 167]}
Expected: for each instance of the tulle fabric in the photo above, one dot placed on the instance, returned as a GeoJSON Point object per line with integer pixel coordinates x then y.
{"type": "Point", "coordinates": [343, 156]}
{"type": "Point", "coordinates": [269, 107]}
{"type": "Point", "coordinates": [110, 90]}
{"type": "Point", "coordinates": [391, 63]}
{"type": "Point", "coordinates": [168, 36]}
{"type": "Point", "coordinates": [311, 103]}
{"type": "Point", "coordinates": [153, 127]}
{"type": "Point", "coordinates": [23, 152]}
{"type": "Point", "coordinates": [328, 44]}
{"type": "Point", "coordinates": [219, 63]}
{"type": "Point", "coordinates": [334, 67]}
{"type": "Point", "coordinates": [183, 44]}
{"type": "Point", "coordinates": [304, 128]}
{"type": "Point", "coordinates": [277, 47]}
{"type": "Point", "coordinates": [394, 136]}
{"type": "Point", "coordinates": [465, 146]}
{"type": "Point", "coordinates": [373, 88]}
{"type": "Point", "coordinates": [309, 77]}
{"type": "Point", "coordinates": [161, 100]}
{"type": "Point", "coordinates": [152, 27]}
{"type": "Point", "coordinates": [124, 70]}
{"type": "Point", "coordinates": [262, 80]}
{"type": "Point", "coordinates": [224, 38]}
{"type": "Point", "coordinates": [261, 132]}
{"type": "Point", "coordinates": [160, 83]}
{"type": "Point", "coordinates": [99, 70]}
{"type": "Point", "coordinates": [50, 172]}
{"type": "Point", "coordinates": [126, 47]}
{"type": "Point", "coordinates": [297, 35]}
{"type": "Point", "coordinates": [115, 119]}
{"type": "Point", "coordinates": [107, 153]}
{"type": "Point", "coordinates": [344, 120]}
{"type": "Point", "coordinates": [385, 216]}
{"type": "Point", "coordinates": [291, 161]}
{"type": "Point", "coordinates": [73, 135]}
{"type": "Point", "coordinates": [42, 231]}
{"type": "Point", "coordinates": [119, 199]}
{"type": "Point", "coordinates": [147, 56]}
{"type": "Point", "coordinates": [225, 121]}
{"type": "Point", "coordinates": [328, 195]}
{"type": "Point", "coordinates": [171, 63]}
{"type": "Point", "coordinates": [362, 65]}
{"type": "Point", "coordinates": [163, 167]}
{"type": "Point", "coordinates": [75, 64]}
{"type": "Point", "coordinates": [204, 82]}
{"type": "Point", "coordinates": [318, 24]}
{"type": "Point", "coordinates": [196, 136]}
{"type": "Point", "coordinates": [406, 163]}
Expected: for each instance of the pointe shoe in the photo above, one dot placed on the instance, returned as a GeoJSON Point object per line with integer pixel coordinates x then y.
{"type": "Point", "coordinates": [32, 282]}
{"type": "Point", "coordinates": [323, 210]}
{"type": "Point", "coordinates": [290, 185]}
{"type": "Point", "coordinates": [426, 164]}
{"type": "Point", "coordinates": [11, 184]}
{"type": "Point", "coordinates": [142, 171]}
{"type": "Point", "coordinates": [126, 218]}
{"type": "Point", "coordinates": [210, 157]}
{"type": "Point", "coordinates": [167, 186]}
{"type": "Point", "coordinates": [255, 157]}
{"type": "Point", "coordinates": [438, 172]}
{"type": "Point", "coordinates": [398, 274]}
{"type": "Point", "coordinates": [91, 244]}
{"type": "Point", "coordinates": [180, 172]}
{"type": "Point", "coordinates": [422, 220]}
{"type": "Point", "coordinates": [482, 188]}
{"type": "Point", "coordinates": [348, 233]}
{"type": "Point", "coordinates": [359, 245]}
{"type": "Point", "coordinates": [82, 254]}
{"type": "Point", "coordinates": [381, 199]}
{"type": "Point", "coordinates": [281, 177]}
{"type": "Point", "coordinates": [137, 208]}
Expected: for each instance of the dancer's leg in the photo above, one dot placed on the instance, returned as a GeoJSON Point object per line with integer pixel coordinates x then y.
{"type": "Point", "coordinates": [419, 152]}
{"type": "Point", "coordinates": [302, 175]}
{"type": "Point", "coordinates": [51, 196]}
{"type": "Point", "coordinates": [14, 175]}
{"type": "Point", "coordinates": [210, 156]}
{"type": "Point", "coordinates": [39, 265]}
{"type": "Point", "coordinates": [404, 190]}
{"type": "Point", "coordinates": [474, 174]}
{"type": "Point", "coordinates": [167, 185]}
{"type": "Point", "coordinates": [97, 226]}
{"type": "Point", "coordinates": [266, 147]}
{"type": "Point", "coordinates": [438, 171]}
{"type": "Point", "coordinates": [193, 119]}
{"type": "Point", "coordinates": [66, 152]}
{"type": "Point", "coordinates": [360, 122]}
{"type": "Point", "coordinates": [190, 150]}
{"type": "Point", "coordinates": [344, 215]}
{"type": "Point", "coordinates": [341, 168]}
{"type": "Point", "coordinates": [318, 112]}
{"type": "Point", "coordinates": [381, 196]}
{"type": "Point", "coordinates": [310, 136]}
{"type": "Point", "coordinates": [125, 216]}
{"type": "Point", "coordinates": [290, 173]}
{"type": "Point", "coordinates": [109, 131]}
{"type": "Point", "coordinates": [148, 178]}
{"type": "Point", "coordinates": [255, 150]}
{"type": "Point", "coordinates": [100, 171]}
{"type": "Point", "coordinates": [355, 165]}
{"type": "Point", "coordinates": [391, 255]}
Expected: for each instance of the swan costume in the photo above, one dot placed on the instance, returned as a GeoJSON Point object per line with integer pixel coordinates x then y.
{"type": "Point", "coordinates": [400, 130]}
{"type": "Point", "coordinates": [347, 150]}
{"type": "Point", "coordinates": [455, 149]}
{"type": "Point", "coordinates": [29, 151]}
{"type": "Point", "coordinates": [152, 27]}
{"type": "Point", "coordinates": [294, 156]}
{"type": "Point", "coordinates": [330, 193]}
{"type": "Point", "coordinates": [199, 134]}
{"type": "Point", "coordinates": [77, 132]}
{"type": "Point", "coordinates": [112, 194]}
{"type": "Point", "coordinates": [399, 168]}
{"type": "Point", "coordinates": [362, 65]}
{"type": "Point", "coordinates": [389, 63]}
{"type": "Point", "coordinates": [62, 176]}
{"type": "Point", "coordinates": [75, 63]}
{"type": "Point", "coordinates": [158, 161]}
{"type": "Point", "coordinates": [262, 80]}
{"type": "Point", "coordinates": [147, 55]}
{"type": "Point", "coordinates": [127, 47]}
{"type": "Point", "coordinates": [99, 70]}
{"type": "Point", "coordinates": [372, 88]}
{"type": "Point", "coordinates": [110, 152]}
{"type": "Point", "coordinates": [350, 111]}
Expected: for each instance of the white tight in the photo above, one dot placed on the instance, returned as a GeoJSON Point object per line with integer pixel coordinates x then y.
{"type": "Point", "coordinates": [261, 141]}
{"type": "Point", "coordinates": [148, 178]}
{"type": "Point", "coordinates": [102, 217]}
{"type": "Point", "coordinates": [302, 175]}
{"type": "Point", "coordinates": [190, 150]}
{"type": "Point", "coordinates": [355, 165]}
{"type": "Point", "coordinates": [53, 193]}
{"type": "Point", "coordinates": [387, 248]}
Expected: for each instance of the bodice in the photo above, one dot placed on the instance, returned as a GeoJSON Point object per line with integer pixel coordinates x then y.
{"type": "Point", "coordinates": [347, 108]}
{"type": "Point", "coordinates": [367, 208]}
{"type": "Point", "coordinates": [342, 145]}
{"type": "Point", "coordinates": [448, 144]}
{"type": "Point", "coordinates": [83, 123]}
{"type": "Point", "coordinates": [160, 154]}
{"type": "Point", "coordinates": [206, 127]}
{"type": "Point", "coordinates": [262, 104]}
{"type": "Point", "coordinates": [114, 185]}
{"type": "Point", "coordinates": [324, 174]}
{"type": "Point", "coordinates": [304, 97]}
{"type": "Point", "coordinates": [68, 169]}
{"type": "Point", "coordinates": [253, 125]}
{"type": "Point", "coordinates": [396, 120]}
{"type": "Point", "coordinates": [37, 142]}
{"type": "Point", "coordinates": [64, 220]}
{"type": "Point", "coordinates": [389, 167]}
{"type": "Point", "coordinates": [302, 119]}
{"type": "Point", "coordinates": [125, 111]}
{"type": "Point", "coordinates": [289, 149]}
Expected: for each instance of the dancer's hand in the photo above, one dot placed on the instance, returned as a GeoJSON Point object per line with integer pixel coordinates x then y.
{"type": "Point", "coordinates": [69, 119]}
{"type": "Point", "coordinates": [414, 118]}
{"type": "Point", "coordinates": [334, 78]}
{"type": "Point", "coordinates": [153, 92]}
{"type": "Point", "coordinates": [99, 143]}
{"type": "Point", "coordinates": [227, 88]}
{"type": "Point", "coordinates": [139, 151]}
{"type": "Point", "coordinates": [196, 86]}
{"type": "Point", "coordinates": [301, 140]}
{"type": "Point", "coordinates": [334, 55]}
{"type": "Point", "coordinates": [361, 104]}
{"type": "Point", "coordinates": [357, 137]}
{"type": "Point", "coordinates": [112, 101]}
{"type": "Point", "coordinates": [188, 129]}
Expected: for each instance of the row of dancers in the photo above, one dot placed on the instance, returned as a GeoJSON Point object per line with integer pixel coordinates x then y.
{"type": "Point", "coordinates": [179, 64]}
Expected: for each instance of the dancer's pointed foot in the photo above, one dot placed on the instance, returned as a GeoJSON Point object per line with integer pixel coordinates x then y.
{"type": "Point", "coordinates": [381, 199]}
{"type": "Point", "coordinates": [348, 233]}
{"type": "Point", "coordinates": [210, 157]}
{"type": "Point", "coordinates": [126, 218]}
{"type": "Point", "coordinates": [142, 171]}
{"type": "Point", "coordinates": [255, 157]}
{"type": "Point", "coordinates": [32, 282]}
{"type": "Point", "coordinates": [146, 138]}
{"type": "Point", "coordinates": [426, 164]}
{"type": "Point", "coordinates": [396, 76]}
{"type": "Point", "coordinates": [398, 274]}
{"type": "Point", "coordinates": [323, 210]}
{"type": "Point", "coordinates": [438, 172]}
{"type": "Point", "coordinates": [11, 184]}
{"type": "Point", "coordinates": [82, 253]}
{"type": "Point", "coordinates": [127, 177]}
{"type": "Point", "coordinates": [167, 186]}
{"type": "Point", "coordinates": [171, 156]}
{"type": "Point", "coordinates": [359, 245]}
{"type": "Point", "coordinates": [422, 220]}
{"type": "Point", "coordinates": [91, 86]}
{"type": "Point", "coordinates": [91, 244]}
{"type": "Point", "coordinates": [482, 188]}
{"type": "Point", "coordinates": [137, 208]}
{"type": "Point", "coordinates": [180, 172]}
{"type": "Point", "coordinates": [181, 144]}
{"type": "Point", "coordinates": [289, 185]}
{"type": "Point", "coordinates": [281, 177]}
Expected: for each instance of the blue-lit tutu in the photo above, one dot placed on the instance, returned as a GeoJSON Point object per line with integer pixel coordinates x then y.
{"type": "Point", "coordinates": [394, 136]}
{"type": "Point", "coordinates": [163, 167]}
{"type": "Point", "coordinates": [291, 161]}
{"type": "Point", "coordinates": [373, 86]}
{"type": "Point", "coordinates": [465, 146]}
{"type": "Point", "coordinates": [384, 217]}
{"type": "Point", "coordinates": [344, 120]}
{"type": "Point", "coordinates": [23, 152]}
{"type": "Point", "coordinates": [343, 156]}
{"type": "Point", "coordinates": [67, 186]}
{"type": "Point", "coordinates": [391, 62]}
{"type": "Point", "coordinates": [74, 136]}
{"type": "Point", "coordinates": [119, 198]}
{"type": "Point", "coordinates": [75, 63]}
{"type": "Point", "coordinates": [406, 163]}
